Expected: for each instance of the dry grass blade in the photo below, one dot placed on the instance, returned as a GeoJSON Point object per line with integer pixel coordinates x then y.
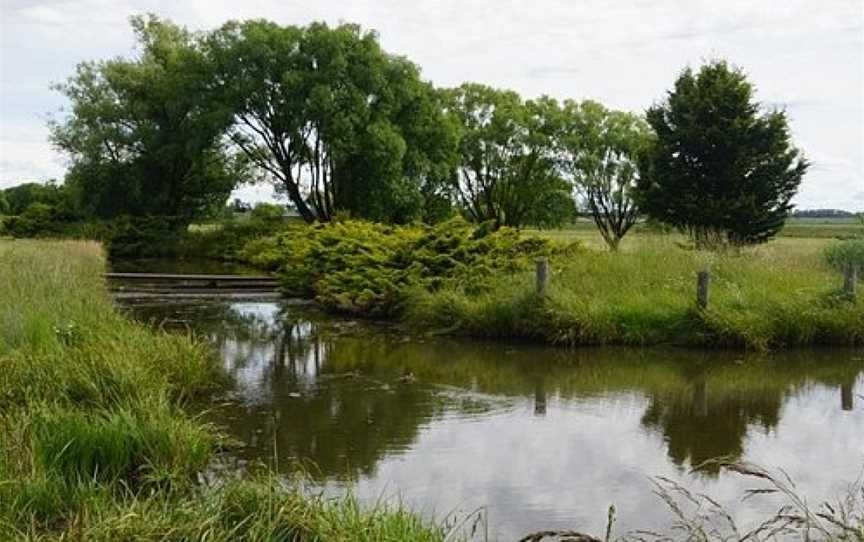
{"type": "Point", "coordinates": [750, 493]}
{"type": "Point", "coordinates": [747, 470]}
{"type": "Point", "coordinates": [699, 517]}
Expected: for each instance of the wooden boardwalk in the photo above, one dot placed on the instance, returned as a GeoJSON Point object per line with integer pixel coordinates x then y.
{"type": "Point", "coordinates": [190, 285]}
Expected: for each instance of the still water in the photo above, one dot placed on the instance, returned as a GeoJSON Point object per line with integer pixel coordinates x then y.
{"type": "Point", "coordinates": [536, 437]}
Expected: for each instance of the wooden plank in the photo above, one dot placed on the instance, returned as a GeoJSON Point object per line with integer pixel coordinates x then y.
{"type": "Point", "coordinates": [197, 295]}
{"type": "Point", "coordinates": [213, 291]}
{"type": "Point", "coordinates": [194, 284]}
{"type": "Point", "coordinates": [186, 287]}
{"type": "Point", "coordinates": [171, 277]}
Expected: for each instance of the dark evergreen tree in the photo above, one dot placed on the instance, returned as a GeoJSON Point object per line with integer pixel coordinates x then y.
{"type": "Point", "coordinates": [722, 170]}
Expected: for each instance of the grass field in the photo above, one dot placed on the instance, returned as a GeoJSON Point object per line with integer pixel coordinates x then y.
{"type": "Point", "coordinates": [781, 294]}
{"type": "Point", "coordinates": [796, 228]}
{"type": "Point", "coordinates": [95, 440]}
{"type": "Point", "coordinates": [824, 228]}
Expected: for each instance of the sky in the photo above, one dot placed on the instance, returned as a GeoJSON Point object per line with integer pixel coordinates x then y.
{"type": "Point", "coordinates": [802, 55]}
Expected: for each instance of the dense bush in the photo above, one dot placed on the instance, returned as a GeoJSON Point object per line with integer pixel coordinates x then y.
{"type": "Point", "coordinates": [225, 240]}
{"type": "Point", "coordinates": [366, 268]}
{"type": "Point", "coordinates": [142, 237]}
{"type": "Point", "coordinates": [149, 236]}
{"type": "Point", "coordinates": [43, 220]}
{"type": "Point", "coordinates": [847, 253]}
{"type": "Point", "coordinates": [38, 220]}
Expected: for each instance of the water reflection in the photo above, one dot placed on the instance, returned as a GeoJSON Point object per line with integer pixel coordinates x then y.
{"type": "Point", "coordinates": [698, 427]}
{"type": "Point", "coordinates": [542, 437]}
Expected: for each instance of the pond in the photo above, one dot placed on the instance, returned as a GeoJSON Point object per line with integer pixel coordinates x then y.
{"type": "Point", "coordinates": [535, 437]}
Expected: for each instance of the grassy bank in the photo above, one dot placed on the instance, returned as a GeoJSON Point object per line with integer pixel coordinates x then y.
{"type": "Point", "coordinates": [779, 295]}
{"type": "Point", "coordinates": [453, 278]}
{"type": "Point", "coordinates": [95, 442]}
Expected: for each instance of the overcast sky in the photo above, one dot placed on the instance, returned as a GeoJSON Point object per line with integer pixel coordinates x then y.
{"type": "Point", "coordinates": [803, 55]}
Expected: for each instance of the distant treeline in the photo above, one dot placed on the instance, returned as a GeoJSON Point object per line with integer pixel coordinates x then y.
{"type": "Point", "coordinates": [18, 198]}
{"type": "Point", "coordinates": [344, 129]}
{"type": "Point", "coordinates": [823, 213]}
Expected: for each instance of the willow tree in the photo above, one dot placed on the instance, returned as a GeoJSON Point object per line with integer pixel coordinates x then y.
{"type": "Point", "coordinates": [723, 169]}
{"type": "Point", "coordinates": [601, 150]}
{"type": "Point", "coordinates": [508, 170]}
{"type": "Point", "coordinates": [334, 121]}
{"type": "Point", "coordinates": [144, 134]}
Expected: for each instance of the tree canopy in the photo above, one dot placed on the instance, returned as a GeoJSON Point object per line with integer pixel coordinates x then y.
{"type": "Point", "coordinates": [508, 170]}
{"type": "Point", "coordinates": [341, 127]}
{"type": "Point", "coordinates": [144, 134]}
{"type": "Point", "coordinates": [722, 169]}
{"type": "Point", "coordinates": [601, 150]}
{"type": "Point", "coordinates": [337, 123]}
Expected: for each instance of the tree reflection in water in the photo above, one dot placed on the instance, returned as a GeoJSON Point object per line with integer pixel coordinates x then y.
{"type": "Point", "coordinates": [341, 395]}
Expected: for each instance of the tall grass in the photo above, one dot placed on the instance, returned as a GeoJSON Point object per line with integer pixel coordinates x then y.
{"type": "Point", "coordinates": [95, 439]}
{"type": "Point", "coordinates": [779, 295]}
{"type": "Point", "coordinates": [697, 517]}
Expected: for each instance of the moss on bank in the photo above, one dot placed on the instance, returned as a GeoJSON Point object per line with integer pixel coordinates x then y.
{"type": "Point", "coordinates": [95, 443]}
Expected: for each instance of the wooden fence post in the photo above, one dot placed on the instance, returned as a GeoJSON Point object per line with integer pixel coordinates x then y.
{"type": "Point", "coordinates": [850, 283]}
{"type": "Point", "coordinates": [542, 276]}
{"type": "Point", "coordinates": [703, 281]}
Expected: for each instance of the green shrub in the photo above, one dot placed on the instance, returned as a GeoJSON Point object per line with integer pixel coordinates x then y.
{"type": "Point", "coordinates": [143, 237]}
{"type": "Point", "coordinates": [847, 253]}
{"type": "Point", "coordinates": [225, 240]}
{"type": "Point", "coordinates": [267, 212]}
{"type": "Point", "coordinates": [38, 220]}
{"type": "Point", "coordinates": [365, 268]}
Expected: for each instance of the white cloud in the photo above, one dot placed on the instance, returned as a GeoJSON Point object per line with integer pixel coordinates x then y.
{"type": "Point", "coordinates": [810, 61]}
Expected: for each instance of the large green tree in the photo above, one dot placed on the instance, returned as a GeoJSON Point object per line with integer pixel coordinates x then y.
{"type": "Point", "coordinates": [508, 172]}
{"type": "Point", "coordinates": [722, 169]}
{"type": "Point", "coordinates": [338, 124]}
{"type": "Point", "coordinates": [145, 134]}
{"type": "Point", "coordinates": [601, 150]}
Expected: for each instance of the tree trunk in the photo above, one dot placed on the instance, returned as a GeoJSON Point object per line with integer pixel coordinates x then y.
{"type": "Point", "coordinates": [297, 199]}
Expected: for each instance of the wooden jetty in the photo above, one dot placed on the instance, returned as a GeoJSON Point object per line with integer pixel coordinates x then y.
{"type": "Point", "coordinates": [190, 285]}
